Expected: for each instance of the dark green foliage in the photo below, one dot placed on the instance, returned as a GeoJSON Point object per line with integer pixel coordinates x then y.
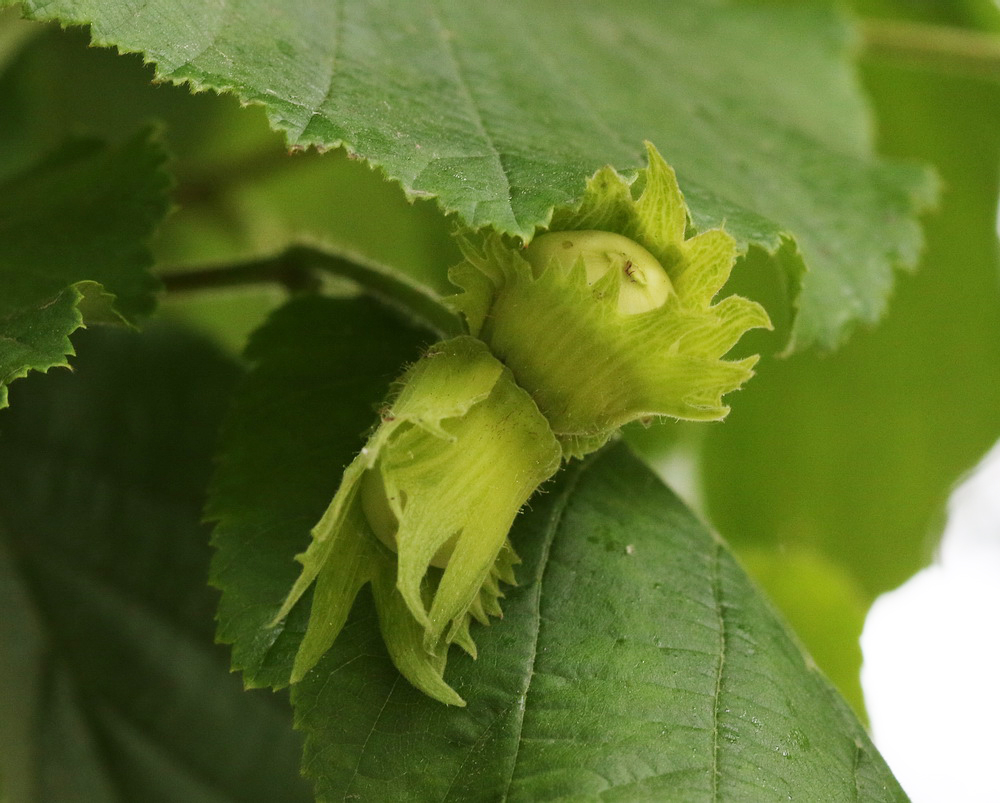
{"type": "Point", "coordinates": [113, 689]}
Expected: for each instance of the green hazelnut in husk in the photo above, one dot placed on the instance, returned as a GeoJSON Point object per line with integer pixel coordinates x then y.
{"type": "Point", "coordinates": [380, 512]}
{"type": "Point", "coordinates": [424, 510]}
{"type": "Point", "coordinates": [608, 317]}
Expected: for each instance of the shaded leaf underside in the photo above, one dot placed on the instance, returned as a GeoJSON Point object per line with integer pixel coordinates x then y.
{"type": "Point", "coordinates": [111, 687]}
{"type": "Point", "coordinates": [502, 111]}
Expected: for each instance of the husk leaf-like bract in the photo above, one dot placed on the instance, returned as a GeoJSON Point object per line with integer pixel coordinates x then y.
{"type": "Point", "coordinates": [458, 453]}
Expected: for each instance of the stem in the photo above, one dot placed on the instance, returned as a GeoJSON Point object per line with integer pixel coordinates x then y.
{"type": "Point", "coordinates": [955, 50]}
{"type": "Point", "coordinates": [283, 269]}
{"type": "Point", "coordinates": [298, 269]}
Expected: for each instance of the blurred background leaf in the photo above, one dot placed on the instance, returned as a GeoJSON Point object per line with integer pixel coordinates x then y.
{"type": "Point", "coordinates": [850, 457]}
{"type": "Point", "coordinates": [110, 685]}
{"type": "Point", "coordinates": [240, 193]}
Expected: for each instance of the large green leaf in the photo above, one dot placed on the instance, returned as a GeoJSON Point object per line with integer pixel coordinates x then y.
{"type": "Point", "coordinates": [502, 111]}
{"type": "Point", "coordinates": [635, 660]}
{"type": "Point", "coordinates": [110, 686]}
{"type": "Point", "coordinates": [73, 234]}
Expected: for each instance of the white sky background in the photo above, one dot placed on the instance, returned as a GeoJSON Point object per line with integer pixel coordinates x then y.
{"type": "Point", "coordinates": [931, 673]}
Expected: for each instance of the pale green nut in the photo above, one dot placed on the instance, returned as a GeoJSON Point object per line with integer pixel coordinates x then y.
{"type": "Point", "coordinates": [643, 284]}
{"type": "Point", "coordinates": [379, 509]}
{"type": "Point", "coordinates": [423, 513]}
{"type": "Point", "coordinates": [609, 316]}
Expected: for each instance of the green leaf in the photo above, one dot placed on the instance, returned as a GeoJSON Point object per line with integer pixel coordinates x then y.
{"type": "Point", "coordinates": [72, 248]}
{"type": "Point", "coordinates": [110, 687]}
{"type": "Point", "coordinates": [854, 456]}
{"type": "Point", "coordinates": [635, 660]}
{"type": "Point", "coordinates": [502, 111]}
{"type": "Point", "coordinates": [824, 605]}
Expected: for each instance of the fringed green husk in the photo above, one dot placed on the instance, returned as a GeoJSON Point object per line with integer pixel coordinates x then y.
{"type": "Point", "coordinates": [591, 363]}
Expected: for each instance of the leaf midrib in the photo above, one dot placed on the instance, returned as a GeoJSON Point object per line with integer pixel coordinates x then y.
{"type": "Point", "coordinates": [464, 89]}
{"type": "Point", "coordinates": [717, 702]}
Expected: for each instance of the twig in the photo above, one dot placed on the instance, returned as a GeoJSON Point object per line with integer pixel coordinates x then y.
{"type": "Point", "coordinates": [954, 50]}
{"type": "Point", "coordinates": [299, 268]}
{"type": "Point", "coordinates": [285, 269]}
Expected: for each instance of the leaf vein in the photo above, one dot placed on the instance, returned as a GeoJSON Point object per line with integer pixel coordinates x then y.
{"type": "Point", "coordinates": [720, 612]}
{"type": "Point", "coordinates": [855, 762]}
{"type": "Point", "coordinates": [374, 727]}
{"type": "Point", "coordinates": [331, 71]}
{"type": "Point", "coordinates": [555, 520]}
{"type": "Point", "coordinates": [477, 116]}
{"type": "Point", "coordinates": [499, 718]}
